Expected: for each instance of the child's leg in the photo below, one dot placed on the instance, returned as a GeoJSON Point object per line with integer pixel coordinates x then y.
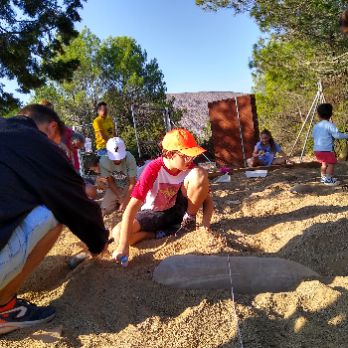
{"type": "Point", "coordinates": [254, 162]}
{"type": "Point", "coordinates": [135, 236]}
{"type": "Point", "coordinates": [330, 170]}
{"type": "Point", "coordinates": [196, 189]}
{"type": "Point", "coordinates": [251, 162]}
{"type": "Point", "coordinates": [279, 160]}
{"type": "Point", "coordinates": [323, 169]}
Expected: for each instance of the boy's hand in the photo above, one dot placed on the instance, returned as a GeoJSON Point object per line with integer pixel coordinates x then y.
{"type": "Point", "coordinates": [120, 255]}
{"type": "Point", "coordinates": [121, 251]}
{"type": "Point", "coordinates": [101, 183]}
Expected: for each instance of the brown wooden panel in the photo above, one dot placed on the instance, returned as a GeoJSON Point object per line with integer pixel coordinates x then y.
{"type": "Point", "coordinates": [226, 129]}
{"type": "Point", "coordinates": [247, 112]}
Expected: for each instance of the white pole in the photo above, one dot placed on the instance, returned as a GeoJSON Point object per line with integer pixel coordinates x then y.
{"type": "Point", "coordinates": [240, 132]}
{"type": "Point", "coordinates": [310, 124]}
{"type": "Point", "coordinates": [303, 124]}
{"type": "Point", "coordinates": [135, 131]}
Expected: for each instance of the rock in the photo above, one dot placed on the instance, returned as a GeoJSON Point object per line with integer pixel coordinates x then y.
{"type": "Point", "coordinates": [49, 336]}
{"type": "Point", "coordinates": [236, 202]}
{"type": "Point", "coordinates": [250, 275]}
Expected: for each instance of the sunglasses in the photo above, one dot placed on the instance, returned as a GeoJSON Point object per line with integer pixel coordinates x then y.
{"type": "Point", "coordinates": [185, 157]}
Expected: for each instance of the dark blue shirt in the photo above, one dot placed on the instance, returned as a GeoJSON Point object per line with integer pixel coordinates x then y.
{"type": "Point", "coordinates": [34, 171]}
{"type": "Point", "coordinates": [266, 155]}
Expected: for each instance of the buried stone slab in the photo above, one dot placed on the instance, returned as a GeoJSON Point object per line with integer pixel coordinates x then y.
{"type": "Point", "coordinates": [250, 275]}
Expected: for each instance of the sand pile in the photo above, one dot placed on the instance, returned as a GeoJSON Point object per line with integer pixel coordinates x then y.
{"type": "Point", "coordinates": [101, 305]}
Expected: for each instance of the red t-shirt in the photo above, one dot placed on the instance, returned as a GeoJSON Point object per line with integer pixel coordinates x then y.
{"type": "Point", "coordinates": [157, 187]}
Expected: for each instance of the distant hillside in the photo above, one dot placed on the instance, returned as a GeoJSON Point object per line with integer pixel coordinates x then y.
{"type": "Point", "coordinates": [195, 106]}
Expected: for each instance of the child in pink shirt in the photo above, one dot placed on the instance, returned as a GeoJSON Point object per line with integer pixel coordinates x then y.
{"type": "Point", "coordinates": [169, 192]}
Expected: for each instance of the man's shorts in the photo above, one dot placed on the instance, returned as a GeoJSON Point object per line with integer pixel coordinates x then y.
{"type": "Point", "coordinates": [152, 221]}
{"type": "Point", "coordinates": [24, 238]}
{"type": "Point", "coordinates": [328, 157]}
{"type": "Point", "coordinates": [111, 200]}
{"type": "Point", "coordinates": [102, 152]}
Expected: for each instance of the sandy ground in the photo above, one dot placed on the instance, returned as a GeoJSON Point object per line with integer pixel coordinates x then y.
{"type": "Point", "coordinates": [102, 305]}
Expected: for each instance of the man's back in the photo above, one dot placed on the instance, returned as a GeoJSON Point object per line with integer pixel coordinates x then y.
{"type": "Point", "coordinates": [34, 171]}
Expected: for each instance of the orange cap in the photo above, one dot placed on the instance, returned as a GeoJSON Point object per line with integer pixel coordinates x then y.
{"type": "Point", "coordinates": [183, 141]}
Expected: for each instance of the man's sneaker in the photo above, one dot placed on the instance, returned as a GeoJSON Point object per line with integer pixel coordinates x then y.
{"type": "Point", "coordinates": [322, 179]}
{"type": "Point", "coordinates": [188, 225]}
{"type": "Point", "coordinates": [331, 182]}
{"type": "Point", "coordinates": [18, 314]}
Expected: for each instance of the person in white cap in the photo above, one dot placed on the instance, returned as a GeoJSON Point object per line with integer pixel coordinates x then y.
{"type": "Point", "coordinates": [120, 169]}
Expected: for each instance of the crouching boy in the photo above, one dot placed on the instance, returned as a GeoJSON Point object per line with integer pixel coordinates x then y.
{"type": "Point", "coordinates": [120, 169]}
{"type": "Point", "coordinates": [170, 191]}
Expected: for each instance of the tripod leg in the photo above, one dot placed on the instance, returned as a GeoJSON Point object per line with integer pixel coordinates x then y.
{"type": "Point", "coordinates": [304, 122]}
{"type": "Point", "coordinates": [317, 99]}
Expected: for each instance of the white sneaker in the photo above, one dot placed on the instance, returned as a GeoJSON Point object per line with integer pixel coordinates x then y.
{"type": "Point", "coordinates": [331, 182]}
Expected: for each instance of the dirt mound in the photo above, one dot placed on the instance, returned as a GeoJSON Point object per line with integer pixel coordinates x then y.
{"type": "Point", "coordinates": [323, 247]}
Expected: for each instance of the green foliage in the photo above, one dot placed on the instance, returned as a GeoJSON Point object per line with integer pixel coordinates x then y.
{"type": "Point", "coordinates": [32, 34]}
{"type": "Point", "coordinates": [303, 45]}
{"type": "Point", "coordinates": [116, 70]}
{"type": "Point", "coordinates": [206, 140]}
{"type": "Point", "coordinates": [75, 100]}
{"type": "Point", "coordinates": [129, 78]}
{"type": "Point", "coordinates": [284, 87]}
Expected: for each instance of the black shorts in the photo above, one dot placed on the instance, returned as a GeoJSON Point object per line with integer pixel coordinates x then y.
{"type": "Point", "coordinates": [152, 221]}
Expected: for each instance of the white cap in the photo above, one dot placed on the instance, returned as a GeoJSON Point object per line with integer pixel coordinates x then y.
{"type": "Point", "coordinates": [116, 149]}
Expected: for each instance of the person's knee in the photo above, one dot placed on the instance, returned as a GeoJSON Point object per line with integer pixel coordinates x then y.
{"type": "Point", "coordinates": [252, 162]}
{"type": "Point", "coordinates": [197, 177]}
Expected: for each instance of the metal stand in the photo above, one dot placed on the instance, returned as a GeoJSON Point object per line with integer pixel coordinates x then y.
{"type": "Point", "coordinates": [318, 99]}
{"type": "Point", "coordinates": [240, 132]}
{"type": "Point", "coordinates": [167, 121]}
{"type": "Point", "coordinates": [136, 131]}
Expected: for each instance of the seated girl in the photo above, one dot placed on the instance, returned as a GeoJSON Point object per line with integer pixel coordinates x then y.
{"type": "Point", "coordinates": [265, 152]}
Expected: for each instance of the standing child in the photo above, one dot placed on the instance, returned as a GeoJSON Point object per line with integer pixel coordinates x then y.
{"type": "Point", "coordinates": [169, 192]}
{"type": "Point", "coordinates": [324, 132]}
{"type": "Point", "coordinates": [265, 152]}
{"type": "Point", "coordinates": [104, 128]}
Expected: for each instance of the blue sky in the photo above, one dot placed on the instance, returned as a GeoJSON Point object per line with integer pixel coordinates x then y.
{"type": "Point", "coordinates": [196, 50]}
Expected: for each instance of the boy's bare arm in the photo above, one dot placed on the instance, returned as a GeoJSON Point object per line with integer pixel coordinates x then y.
{"type": "Point", "coordinates": [126, 225]}
{"type": "Point", "coordinates": [126, 198]}
{"type": "Point", "coordinates": [208, 209]}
